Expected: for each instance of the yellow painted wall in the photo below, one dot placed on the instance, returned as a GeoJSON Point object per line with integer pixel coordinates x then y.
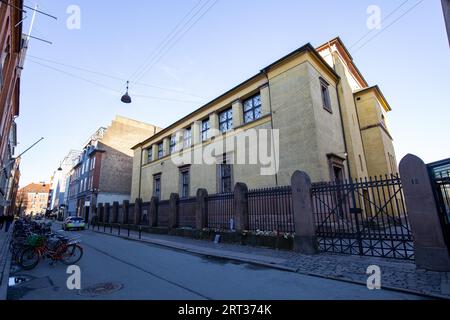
{"type": "Point", "coordinates": [377, 142]}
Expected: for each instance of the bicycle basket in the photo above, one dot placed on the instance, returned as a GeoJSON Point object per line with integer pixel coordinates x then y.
{"type": "Point", "coordinates": [35, 241]}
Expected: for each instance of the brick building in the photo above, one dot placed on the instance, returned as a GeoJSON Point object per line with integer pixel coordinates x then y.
{"type": "Point", "coordinates": [12, 50]}
{"type": "Point", "coordinates": [104, 168]}
{"type": "Point", "coordinates": [33, 199]}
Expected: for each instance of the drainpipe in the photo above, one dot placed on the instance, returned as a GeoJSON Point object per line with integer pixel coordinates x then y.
{"type": "Point", "coordinates": [140, 172]}
{"type": "Point", "coordinates": [272, 126]}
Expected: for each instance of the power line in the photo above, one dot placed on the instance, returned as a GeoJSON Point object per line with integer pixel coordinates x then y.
{"type": "Point", "coordinates": [173, 39]}
{"type": "Point", "coordinates": [388, 26]}
{"type": "Point", "coordinates": [136, 72]}
{"type": "Point", "coordinates": [106, 87]}
{"type": "Point", "coordinates": [74, 76]}
{"type": "Point", "coordinates": [179, 38]}
{"type": "Point", "coordinates": [114, 77]}
{"type": "Point", "coordinates": [301, 91]}
{"type": "Point", "coordinates": [41, 12]}
{"type": "Point", "coordinates": [385, 18]}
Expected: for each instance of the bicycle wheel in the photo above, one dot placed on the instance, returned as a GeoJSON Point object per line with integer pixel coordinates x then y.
{"type": "Point", "coordinates": [29, 259]}
{"type": "Point", "coordinates": [72, 255]}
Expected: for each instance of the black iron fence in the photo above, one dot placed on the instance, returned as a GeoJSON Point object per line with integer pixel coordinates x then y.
{"type": "Point", "coordinates": [271, 209]}
{"type": "Point", "coordinates": [221, 211]}
{"type": "Point", "coordinates": [440, 177]}
{"type": "Point", "coordinates": [365, 217]}
{"type": "Point", "coordinates": [186, 216]}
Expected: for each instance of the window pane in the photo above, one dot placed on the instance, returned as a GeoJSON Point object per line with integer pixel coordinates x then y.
{"type": "Point", "coordinates": [258, 113]}
{"type": "Point", "coordinates": [248, 116]}
{"type": "Point", "coordinates": [248, 105]}
{"type": "Point", "coordinates": [257, 101]}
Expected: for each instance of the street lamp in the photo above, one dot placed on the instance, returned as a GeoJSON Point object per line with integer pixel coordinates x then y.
{"type": "Point", "coordinates": [126, 97]}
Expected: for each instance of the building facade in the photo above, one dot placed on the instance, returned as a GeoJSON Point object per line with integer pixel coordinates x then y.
{"type": "Point", "coordinates": [103, 170]}
{"type": "Point", "coordinates": [33, 199]}
{"type": "Point", "coordinates": [311, 110]}
{"type": "Point", "coordinates": [59, 200]}
{"type": "Point", "coordinates": [446, 10]}
{"type": "Point", "coordinates": [12, 50]}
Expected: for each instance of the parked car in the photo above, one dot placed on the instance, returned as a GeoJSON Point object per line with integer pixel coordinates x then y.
{"type": "Point", "coordinates": [74, 223]}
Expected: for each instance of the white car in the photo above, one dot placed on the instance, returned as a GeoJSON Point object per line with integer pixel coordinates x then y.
{"type": "Point", "coordinates": [74, 223]}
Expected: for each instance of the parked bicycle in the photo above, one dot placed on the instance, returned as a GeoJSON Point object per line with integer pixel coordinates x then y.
{"type": "Point", "coordinates": [54, 247]}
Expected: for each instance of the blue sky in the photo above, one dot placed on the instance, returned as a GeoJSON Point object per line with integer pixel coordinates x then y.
{"type": "Point", "coordinates": [233, 41]}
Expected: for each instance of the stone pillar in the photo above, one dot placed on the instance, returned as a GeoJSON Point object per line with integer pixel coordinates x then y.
{"type": "Point", "coordinates": [125, 211]}
{"type": "Point", "coordinates": [173, 210]}
{"type": "Point", "coordinates": [154, 212]}
{"type": "Point", "coordinates": [138, 211]}
{"type": "Point", "coordinates": [107, 213]}
{"type": "Point", "coordinates": [265, 100]}
{"type": "Point", "coordinates": [101, 213]}
{"type": "Point", "coordinates": [201, 210]}
{"type": "Point", "coordinates": [241, 207]}
{"type": "Point", "coordinates": [429, 245]}
{"type": "Point", "coordinates": [196, 133]}
{"type": "Point", "coordinates": [179, 141]}
{"type": "Point", "coordinates": [155, 152]}
{"type": "Point", "coordinates": [94, 213]}
{"type": "Point", "coordinates": [305, 240]}
{"type": "Point", "coordinates": [166, 146]}
{"type": "Point", "coordinates": [238, 114]}
{"type": "Point", "coordinates": [214, 123]}
{"type": "Point", "coordinates": [115, 212]}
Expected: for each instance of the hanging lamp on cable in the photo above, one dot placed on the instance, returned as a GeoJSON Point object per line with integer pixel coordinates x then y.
{"type": "Point", "coordinates": [126, 97]}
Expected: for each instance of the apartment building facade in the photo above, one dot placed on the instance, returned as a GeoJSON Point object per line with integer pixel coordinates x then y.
{"type": "Point", "coordinates": [12, 50]}
{"type": "Point", "coordinates": [33, 199]}
{"type": "Point", "coordinates": [61, 178]}
{"type": "Point", "coordinates": [103, 170]}
{"type": "Point", "coordinates": [313, 111]}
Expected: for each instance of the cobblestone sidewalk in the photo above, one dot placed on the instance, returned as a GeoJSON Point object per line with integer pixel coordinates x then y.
{"type": "Point", "coordinates": [396, 274]}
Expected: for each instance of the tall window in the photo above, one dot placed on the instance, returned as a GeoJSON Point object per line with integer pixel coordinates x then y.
{"type": "Point", "coordinates": [93, 163]}
{"type": "Point", "coordinates": [226, 120]}
{"type": "Point", "coordinates": [173, 144]}
{"type": "Point", "coordinates": [226, 171]}
{"type": "Point", "coordinates": [150, 154]}
{"type": "Point", "coordinates": [252, 109]}
{"type": "Point", "coordinates": [187, 139]}
{"type": "Point", "coordinates": [160, 150]}
{"type": "Point", "coordinates": [157, 186]}
{"type": "Point", "coordinates": [4, 60]}
{"type": "Point", "coordinates": [206, 126]}
{"type": "Point", "coordinates": [184, 182]}
{"type": "Point", "coordinates": [326, 101]}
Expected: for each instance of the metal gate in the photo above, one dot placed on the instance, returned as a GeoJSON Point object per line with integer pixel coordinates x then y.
{"type": "Point", "coordinates": [440, 176]}
{"type": "Point", "coordinates": [366, 217]}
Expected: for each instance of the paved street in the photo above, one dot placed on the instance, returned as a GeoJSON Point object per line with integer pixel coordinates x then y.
{"type": "Point", "coordinates": [150, 272]}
